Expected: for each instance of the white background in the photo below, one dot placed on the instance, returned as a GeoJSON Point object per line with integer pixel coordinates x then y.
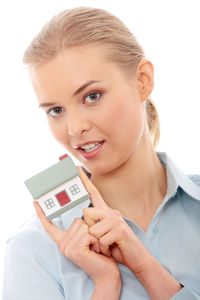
{"type": "Point", "coordinates": [169, 32]}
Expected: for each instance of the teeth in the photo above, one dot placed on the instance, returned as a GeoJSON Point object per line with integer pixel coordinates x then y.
{"type": "Point", "coordinates": [90, 147]}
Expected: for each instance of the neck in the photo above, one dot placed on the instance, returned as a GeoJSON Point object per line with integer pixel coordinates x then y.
{"type": "Point", "coordinates": [138, 185]}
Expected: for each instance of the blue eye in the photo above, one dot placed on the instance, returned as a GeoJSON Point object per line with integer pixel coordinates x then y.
{"type": "Point", "coordinates": [93, 97]}
{"type": "Point", "coordinates": [53, 112]}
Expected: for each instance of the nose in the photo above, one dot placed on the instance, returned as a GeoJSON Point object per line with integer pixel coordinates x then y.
{"type": "Point", "coordinates": [78, 123]}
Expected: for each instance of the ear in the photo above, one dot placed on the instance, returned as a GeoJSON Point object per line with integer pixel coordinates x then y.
{"type": "Point", "coordinates": [145, 77]}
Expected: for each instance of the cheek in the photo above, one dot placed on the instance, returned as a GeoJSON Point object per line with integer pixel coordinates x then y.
{"type": "Point", "coordinates": [124, 121]}
{"type": "Point", "coordinates": [59, 131]}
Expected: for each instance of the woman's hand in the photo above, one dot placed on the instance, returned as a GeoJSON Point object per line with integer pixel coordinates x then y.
{"type": "Point", "coordinates": [75, 243]}
{"type": "Point", "coordinates": [115, 237]}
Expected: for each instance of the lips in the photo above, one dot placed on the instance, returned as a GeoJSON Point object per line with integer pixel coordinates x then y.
{"type": "Point", "coordinates": [87, 143]}
{"type": "Point", "coordinates": [92, 154]}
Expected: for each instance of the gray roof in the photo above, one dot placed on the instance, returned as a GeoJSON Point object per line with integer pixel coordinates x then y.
{"type": "Point", "coordinates": [52, 177]}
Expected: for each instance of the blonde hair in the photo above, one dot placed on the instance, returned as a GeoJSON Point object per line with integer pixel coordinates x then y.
{"type": "Point", "coordinates": [87, 25]}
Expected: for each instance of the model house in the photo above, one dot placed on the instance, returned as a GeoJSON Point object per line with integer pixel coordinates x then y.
{"type": "Point", "coordinates": [58, 188]}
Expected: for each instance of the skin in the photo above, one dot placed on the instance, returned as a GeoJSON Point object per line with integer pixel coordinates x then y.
{"type": "Point", "coordinates": [117, 116]}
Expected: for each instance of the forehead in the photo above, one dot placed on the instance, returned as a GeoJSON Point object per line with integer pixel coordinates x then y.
{"type": "Point", "coordinates": [76, 65]}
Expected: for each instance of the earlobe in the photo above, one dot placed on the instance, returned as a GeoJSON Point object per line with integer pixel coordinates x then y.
{"type": "Point", "coordinates": [145, 76]}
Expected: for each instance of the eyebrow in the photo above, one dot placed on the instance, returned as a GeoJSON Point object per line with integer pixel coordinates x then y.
{"type": "Point", "coordinates": [47, 104]}
{"type": "Point", "coordinates": [78, 91]}
{"type": "Point", "coordinates": [84, 87]}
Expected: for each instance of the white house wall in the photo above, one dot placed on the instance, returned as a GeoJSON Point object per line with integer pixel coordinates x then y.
{"type": "Point", "coordinates": [65, 186]}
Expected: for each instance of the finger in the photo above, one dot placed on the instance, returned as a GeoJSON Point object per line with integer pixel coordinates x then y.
{"type": "Point", "coordinates": [106, 241]}
{"type": "Point", "coordinates": [55, 232]}
{"type": "Point", "coordinates": [92, 215]}
{"type": "Point", "coordinates": [73, 235]}
{"type": "Point", "coordinates": [94, 243]}
{"type": "Point", "coordinates": [95, 196]}
{"type": "Point", "coordinates": [100, 228]}
{"type": "Point", "coordinates": [95, 247]}
{"type": "Point", "coordinates": [105, 250]}
{"type": "Point", "coordinates": [82, 246]}
{"type": "Point", "coordinates": [88, 220]}
{"type": "Point", "coordinates": [104, 247]}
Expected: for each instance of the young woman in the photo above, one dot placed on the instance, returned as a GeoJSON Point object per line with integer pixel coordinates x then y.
{"type": "Point", "coordinates": [139, 237]}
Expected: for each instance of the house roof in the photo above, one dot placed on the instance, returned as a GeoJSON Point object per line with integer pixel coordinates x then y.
{"type": "Point", "coordinates": [52, 177]}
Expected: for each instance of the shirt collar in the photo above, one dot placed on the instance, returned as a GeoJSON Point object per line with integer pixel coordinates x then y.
{"type": "Point", "coordinates": [176, 178]}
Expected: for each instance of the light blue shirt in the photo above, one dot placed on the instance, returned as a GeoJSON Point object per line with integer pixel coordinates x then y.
{"type": "Point", "coordinates": [35, 269]}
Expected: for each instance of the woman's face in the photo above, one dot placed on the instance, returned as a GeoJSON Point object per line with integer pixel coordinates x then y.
{"type": "Point", "coordinates": [109, 110]}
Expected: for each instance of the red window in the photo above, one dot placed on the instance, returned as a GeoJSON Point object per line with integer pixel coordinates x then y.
{"type": "Point", "coordinates": [63, 198]}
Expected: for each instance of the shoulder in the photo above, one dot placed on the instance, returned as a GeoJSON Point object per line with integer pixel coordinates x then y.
{"type": "Point", "coordinates": [31, 232]}
{"type": "Point", "coordinates": [31, 244]}
{"type": "Point", "coordinates": [189, 196]}
{"type": "Point", "coordinates": [31, 254]}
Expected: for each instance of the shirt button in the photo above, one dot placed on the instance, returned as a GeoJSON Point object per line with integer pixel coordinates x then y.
{"type": "Point", "coordinates": [155, 228]}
